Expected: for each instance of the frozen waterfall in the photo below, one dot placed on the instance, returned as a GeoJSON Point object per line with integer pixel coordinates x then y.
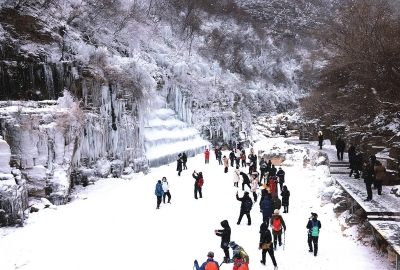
{"type": "Point", "coordinates": [166, 137]}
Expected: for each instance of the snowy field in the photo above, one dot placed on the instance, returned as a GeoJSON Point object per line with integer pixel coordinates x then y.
{"type": "Point", "coordinates": [118, 226]}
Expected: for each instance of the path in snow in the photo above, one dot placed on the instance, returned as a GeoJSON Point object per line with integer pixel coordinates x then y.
{"type": "Point", "coordinates": [118, 227]}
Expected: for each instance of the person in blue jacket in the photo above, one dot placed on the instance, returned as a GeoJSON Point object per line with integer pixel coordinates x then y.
{"type": "Point", "coordinates": [266, 208]}
{"type": "Point", "coordinates": [210, 260]}
{"type": "Point", "coordinates": [159, 193]}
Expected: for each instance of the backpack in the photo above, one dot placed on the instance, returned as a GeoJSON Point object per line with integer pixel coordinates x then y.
{"type": "Point", "coordinates": [314, 228]}
{"type": "Point", "coordinates": [242, 265]}
{"type": "Point", "coordinates": [200, 182]}
{"type": "Point", "coordinates": [248, 204]}
{"type": "Point", "coordinates": [243, 254]}
{"type": "Point", "coordinates": [276, 224]}
{"type": "Point", "coordinates": [211, 266]}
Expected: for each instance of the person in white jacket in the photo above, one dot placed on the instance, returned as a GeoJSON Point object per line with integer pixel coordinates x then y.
{"type": "Point", "coordinates": [236, 177]}
{"type": "Point", "coordinates": [165, 186]}
{"type": "Point", "coordinates": [254, 185]}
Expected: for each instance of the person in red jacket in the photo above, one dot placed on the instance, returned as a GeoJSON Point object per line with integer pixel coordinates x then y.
{"type": "Point", "coordinates": [207, 156]}
{"type": "Point", "coordinates": [272, 185]}
{"type": "Point", "coordinates": [239, 263]}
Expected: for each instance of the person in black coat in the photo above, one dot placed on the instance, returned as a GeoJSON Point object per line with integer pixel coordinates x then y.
{"type": "Point", "coordinates": [266, 238]}
{"type": "Point", "coordinates": [313, 234]}
{"type": "Point", "coordinates": [246, 180]}
{"type": "Point", "coordinates": [272, 171]}
{"type": "Point", "coordinates": [197, 188]}
{"type": "Point", "coordinates": [340, 146]}
{"type": "Point", "coordinates": [245, 207]}
{"type": "Point", "coordinates": [368, 175]}
{"type": "Point", "coordinates": [285, 199]}
{"type": "Point", "coordinates": [179, 163]}
{"type": "Point", "coordinates": [219, 157]}
{"type": "Point", "coordinates": [281, 175]}
{"type": "Point", "coordinates": [225, 235]}
{"type": "Point", "coordinates": [232, 157]}
{"type": "Point", "coordinates": [351, 153]}
{"type": "Point", "coordinates": [356, 165]}
{"type": "Point", "coordinates": [184, 160]}
{"type": "Point", "coordinates": [320, 139]}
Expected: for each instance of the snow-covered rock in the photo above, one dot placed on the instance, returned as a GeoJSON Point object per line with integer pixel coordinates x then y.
{"type": "Point", "coordinates": [327, 194]}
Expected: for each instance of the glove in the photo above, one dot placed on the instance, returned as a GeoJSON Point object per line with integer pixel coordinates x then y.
{"type": "Point", "coordinates": [195, 262]}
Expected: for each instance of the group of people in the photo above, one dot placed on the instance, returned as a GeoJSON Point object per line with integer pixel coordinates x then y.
{"type": "Point", "coordinates": [270, 204]}
{"type": "Point", "coordinates": [273, 225]}
{"type": "Point", "coordinates": [372, 171]}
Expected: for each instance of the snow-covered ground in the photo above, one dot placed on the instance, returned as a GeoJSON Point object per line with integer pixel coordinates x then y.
{"type": "Point", "coordinates": [118, 226]}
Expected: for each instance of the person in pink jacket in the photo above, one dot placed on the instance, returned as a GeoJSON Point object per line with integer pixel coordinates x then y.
{"type": "Point", "coordinates": [254, 185]}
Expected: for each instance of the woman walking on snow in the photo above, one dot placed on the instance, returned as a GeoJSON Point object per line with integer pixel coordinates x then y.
{"type": "Point", "coordinates": [226, 164]}
{"type": "Point", "coordinates": [159, 193]}
{"type": "Point", "coordinates": [236, 177]}
{"type": "Point", "coordinates": [254, 185]}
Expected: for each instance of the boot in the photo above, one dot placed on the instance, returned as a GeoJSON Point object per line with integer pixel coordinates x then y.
{"type": "Point", "coordinates": [226, 259]}
{"type": "Point", "coordinates": [310, 250]}
{"type": "Point", "coordinates": [262, 262]}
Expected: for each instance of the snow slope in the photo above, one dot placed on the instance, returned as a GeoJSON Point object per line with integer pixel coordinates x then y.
{"type": "Point", "coordinates": [118, 227]}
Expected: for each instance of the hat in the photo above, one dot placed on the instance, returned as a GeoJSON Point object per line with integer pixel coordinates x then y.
{"type": "Point", "coordinates": [236, 255]}
{"type": "Point", "coordinates": [263, 227]}
{"type": "Point", "coordinates": [276, 211]}
{"type": "Point", "coordinates": [210, 254]}
{"type": "Point", "coordinates": [246, 192]}
{"type": "Point", "coordinates": [314, 215]}
{"type": "Point", "coordinates": [159, 181]}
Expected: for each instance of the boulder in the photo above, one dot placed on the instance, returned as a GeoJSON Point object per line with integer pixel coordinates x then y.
{"type": "Point", "coordinates": [338, 195]}
{"type": "Point", "coordinates": [36, 178]}
{"type": "Point", "coordinates": [340, 207]}
{"type": "Point", "coordinates": [327, 193]}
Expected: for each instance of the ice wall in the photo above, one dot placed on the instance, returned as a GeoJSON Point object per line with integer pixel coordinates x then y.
{"type": "Point", "coordinates": [220, 116]}
{"type": "Point", "coordinates": [166, 136]}
{"type": "Point", "coordinates": [53, 143]}
{"type": "Point", "coordinates": [13, 190]}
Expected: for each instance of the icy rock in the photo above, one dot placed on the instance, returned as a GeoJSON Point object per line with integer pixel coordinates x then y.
{"type": "Point", "coordinates": [328, 182]}
{"type": "Point", "coordinates": [5, 155]}
{"type": "Point", "coordinates": [117, 166]}
{"type": "Point", "coordinates": [103, 168]}
{"type": "Point", "coordinates": [340, 206]}
{"type": "Point", "coordinates": [59, 186]}
{"type": "Point", "coordinates": [327, 193]}
{"type": "Point", "coordinates": [338, 195]}
{"type": "Point", "coordinates": [36, 178]}
{"type": "Point", "coordinates": [13, 201]}
{"type": "Point", "coordinates": [46, 202]}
